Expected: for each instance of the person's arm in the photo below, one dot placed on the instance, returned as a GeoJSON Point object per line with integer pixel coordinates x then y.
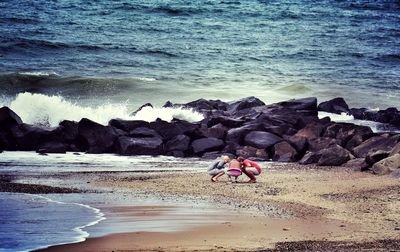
{"type": "Point", "coordinates": [221, 164]}
{"type": "Point", "coordinates": [213, 165]}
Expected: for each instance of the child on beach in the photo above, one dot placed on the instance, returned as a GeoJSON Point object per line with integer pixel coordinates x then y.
{"type": "Point", "coordinates": [250, 168]}
{"type": "Point", "coordinates": [234, 170]}
{"type": "Point", "coordinates": [216, 169]}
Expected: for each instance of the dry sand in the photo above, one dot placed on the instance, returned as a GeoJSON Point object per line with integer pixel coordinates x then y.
{"type": "Point", "coordinates": [292, 207]}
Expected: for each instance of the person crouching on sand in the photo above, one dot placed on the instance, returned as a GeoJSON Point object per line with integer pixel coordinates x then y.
{"type": "Point", "coordinates": [250, 168]}
{"type": "Point", "coordinates": [216, 169]}
{"type": "Point", "coordinates": [234, 169]}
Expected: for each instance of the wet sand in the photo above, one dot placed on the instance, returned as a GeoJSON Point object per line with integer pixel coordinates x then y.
{"type": "Point", "coordinates": [292, 207]}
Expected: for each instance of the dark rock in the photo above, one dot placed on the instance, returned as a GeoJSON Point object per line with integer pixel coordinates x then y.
{"type": "Point", "coordinates": [168, 104]}
{"type": "Point", "coordinates": [245, 103]}
{"type": "Point", "coordinates": [261, 139]}
{"type": "Point", "coordinates": [67, 130]}
{"type": "Point", "coordinates": [336, 105]}
{"type": "Point", "coordinates": [320, 143]}
{"type": "Point", "coordinates": [95, 137]}
{"type": "Point", "coordinates": [249, 151]}
{"type": "Point", "coordinates": [203, 104]}
{"type": "Point", "coordinates": [176, 127]}
{"type": "Point", "coordinates": [311, 131]}
{"type": "Point", "coordinates": [357, 164]}
{"type": "Point", "coordinates": [376, 156]}
{"type": "Point", "coordinates": [309, 103]}
{"type": "Point", "coordinates": [335, 155]}
{"type": "Point", "coordinates": [310, 158]}
{"type": "Point", "coordinates": [387, 165]}
{"type": "Point", "coordinates": [299, 142]}
{"type": "Point", "coordinates": [284, 152]}
{"type": "Point", "coordinates": [7, 141]}
{"type": "Point", "coordinates": [376, 143]}
{"type": "Point", "coordinates": [395, 150]}
{"type": "Point", "coordinates": [202, 145]}
{"type": "Point", "coordinates": [390, 115]}
{"type": "Point", "coordinates": [231, 147]}
{"type": "Point", "coordinates": [354, 142]}
{"type": "Point", "coordinates": [217, 131]}
{"type": "Point", "coordinates": [178, 143]}
{"type": "Point", "coordinates": [127, 125]}
{"type": "Point", "coordinates": [139, 146]}
{"type": "Point", "coordinates": [52, 147]}
{"type": "Point", "coordinates": [140, 108]}
{"type": "Point", "coordinates": [28, 137]}
{"type": "Point", "coordinates": [226, 121]}
{"type": "Point", "coordinates": [142, 132]}
{"type": "Point", "coordinates": [277, 130]}
{"type": "Point", "coordinates": [8, 118]}
{"type": "Point", "coordinates": [237, 134]}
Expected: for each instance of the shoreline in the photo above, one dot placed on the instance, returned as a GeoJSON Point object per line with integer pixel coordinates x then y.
{"type": "Point", "coordinates": [353, 208]}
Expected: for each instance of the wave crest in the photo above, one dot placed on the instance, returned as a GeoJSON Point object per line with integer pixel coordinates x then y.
{"type": "Point", "coordinates": [46, 110]}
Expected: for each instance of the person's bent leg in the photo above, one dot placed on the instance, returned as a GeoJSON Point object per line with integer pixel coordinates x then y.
{"type": "Point", "coordinates": [250, 173]}
{"type": "Point", "coordinates": [218, 175]}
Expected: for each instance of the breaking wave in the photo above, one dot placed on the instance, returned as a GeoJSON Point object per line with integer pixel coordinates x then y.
{"type": "Point", "coordinates": [46, 110]}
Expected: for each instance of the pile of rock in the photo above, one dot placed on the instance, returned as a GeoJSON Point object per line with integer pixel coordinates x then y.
{"type": "Point", "coordinates": [288, 131]}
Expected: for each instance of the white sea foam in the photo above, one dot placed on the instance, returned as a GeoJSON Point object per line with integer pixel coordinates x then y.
{"type": "Point", "coordinates": [50, 110]}
{"type": "Point", "coordinates": [38, 73]}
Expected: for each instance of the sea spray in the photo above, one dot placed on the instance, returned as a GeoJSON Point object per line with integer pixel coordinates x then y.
{"type": "Point", "coordinates": [47, 110]}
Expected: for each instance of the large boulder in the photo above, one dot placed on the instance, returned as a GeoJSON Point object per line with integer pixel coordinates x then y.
{"type": "Point", "coordinates": [252, 152]}
{"type": "Point", "coordinates": [376, 143]}
{"type": "Point", "coordinates": [176, 127]}
{"type": "Point", "coordinates": [311, 131]}
{"type": "Point", "coordinates": [178, 143]}
{"type": "Point", "coordinates": [224, 120]}
{"type": "Point", "coordinates": [8, 118]}
{"type": "Point", "coordinates": [127, 125]}
{"type": "Point", "coordinates": [309, 103]}
{"type": "Point", "coordinates": [209, 144]}
{"type": "Point", "coordinates": [387, 165]}
{"type": "Point", "coordinates": [143, 132]}
{"type": "Point", "coordinates": [335, 155]}
{"type": "Point", "coordinates": [245, 103]}
{"type": "Point", "coordinates": [202, 104]}
{"type": "Point", "coordinates": [389, 115]}
{"type": "Point", "coordinates": [284, 152]}
{"type": "Point", "coordinates": [376, 156]}
{"type": "Point", "coordinates": [310, 158]}
{"type": "Point", "coordinates": [96, 138]}
{"type": "Point", "coordinates": [320, 143]}
{"type": "Point", "coordinates": [261, 139]}
{"type": "Point", "coordinates": [52, 147]}
{"type": "Point", "coordinates": [237, 135]}
{"type": "Point", "coordinates": [336, 106]}
{"type": "Point", "coordinates": [139, 146]}
{"type": "Point", "coordinates": [28, 137]}
{"type": "Point", "coordinates": [299, 142]}
{"type": "Point", "coordinates": [67, 130]}
{"type": "Point", "coordinates": [357, 164]}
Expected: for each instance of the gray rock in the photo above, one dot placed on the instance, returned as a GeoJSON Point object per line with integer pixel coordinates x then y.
{"type": "Point", "coordinates": [284, 152]}
{"type": "Point", "coordinates": [209, 144]}
{"type": "Point", "coordinates": [261, 139]}
{"type": "Point", "coordinates": [387, 165]}
{"type": "Point", "coordinates": [139, 146]}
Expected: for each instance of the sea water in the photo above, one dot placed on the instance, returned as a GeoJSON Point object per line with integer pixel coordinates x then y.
{"type": "Point", "coordinates": [113, 56]}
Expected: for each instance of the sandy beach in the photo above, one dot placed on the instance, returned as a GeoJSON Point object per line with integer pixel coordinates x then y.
{"type": "Point", "coordinates": [292, 207]}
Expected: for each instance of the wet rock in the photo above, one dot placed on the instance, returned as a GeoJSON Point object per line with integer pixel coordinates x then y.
{"type": "Point", "coordinates": [376, 143]}
{"type": "Point", "coordinates": [357, 164]}
{"type": "Point", "coordinates": [52, 147]}
{"type": "Point", "coordinates": [127, 125]}
{"type": "Point", "coordinates": [261, 139]}
{"type": "Point", "coordinates": [284, 152]}
{"type": "Point", "coordinates": [217, 131]}
{"type": "Point", "coordinates": [226, 121]}
{"type": "Point", "coordinates": [202, 145]}
{"type": "Point", "coordinates": [8, 118]}
{"type": "Point", "coordinates": [336, 106]}
{"type": "Point", "coordinates": [203, 104]}
{"type": "Point", "coordinates": [387, 165]}
{"type": "Point", "coordinates": [309, 103]}
{"type": "Point", "coordinates": [140, 108]}
{"type": "Point", "coordinates": [310, 158]}
{"type": "Point", "coordinates": [311, 131]}
{"type": "Point", "coordinates": [299, 142]}
{"type": "Point", "coordinates": [28, 137]}
{"type": "Point", "coordinates": [176, 127]}
{"type": "Point", "coordinates": [335, 155]}
{"type": "Point", "coordinates": [143, 132]}
{"type": "Point", "coordinates": [178, 143]}
{"type": "Point", "coordinates": [139, 146]}
{"type": "Point", "coordinates": [389, 115]}
{"type": "Point", "coordinates": [320, 143]}
{"type": "Point", "coordinates": [95, 137]}
{"type": "Point", "coordinates": [376, 156]}
{"type": "Point", "coordinates": [245, 103]}
{"type": "Point", "coordinates": [237, 135]}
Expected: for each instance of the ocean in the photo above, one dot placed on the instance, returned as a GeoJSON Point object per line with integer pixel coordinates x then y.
{"type": "Point", "coordinates": [105, 56]}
